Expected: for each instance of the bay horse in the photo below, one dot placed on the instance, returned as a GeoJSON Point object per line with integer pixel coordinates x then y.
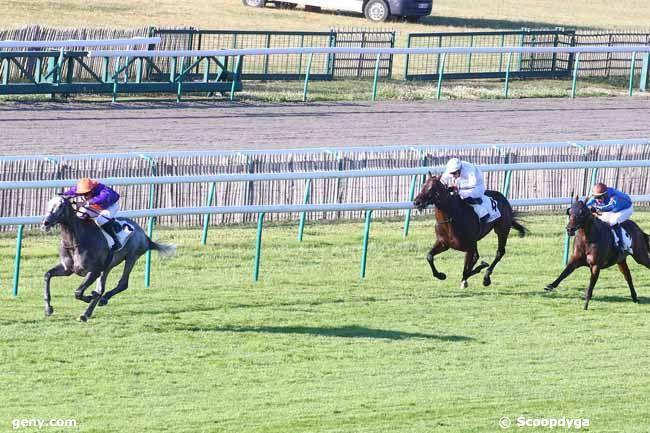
{"type": "Point", "coordinates": [594, 247]}
{"type": "Point", "coordinates": [458, 227]}
{"type": "Point", "coordinates": [84, 251]}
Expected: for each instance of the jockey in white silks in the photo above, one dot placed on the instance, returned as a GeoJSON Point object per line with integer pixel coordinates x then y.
{"type": "Point", "coordinates": [468, 181]}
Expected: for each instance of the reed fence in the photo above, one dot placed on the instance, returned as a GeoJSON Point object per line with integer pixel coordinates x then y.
{"type": "Point", "coordinates": [527, 184]}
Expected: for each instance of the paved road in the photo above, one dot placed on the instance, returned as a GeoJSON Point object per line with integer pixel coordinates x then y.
{"type": "Point", "coordinates": [62, 128]}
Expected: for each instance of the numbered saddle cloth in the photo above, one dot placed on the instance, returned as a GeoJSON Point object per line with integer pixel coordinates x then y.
{"type": "Point", "coordinates": [490, 207]}
{"type": "Point", "coordinates": [627, 240]}
{"type": "Point", "coordinates": [123, 235]}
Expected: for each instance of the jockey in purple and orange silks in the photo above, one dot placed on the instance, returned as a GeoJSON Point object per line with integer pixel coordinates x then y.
{"type": "Point", "coordinates": [101, 205]}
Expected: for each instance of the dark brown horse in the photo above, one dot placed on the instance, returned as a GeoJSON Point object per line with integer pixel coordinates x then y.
{"type": "Point", "coordinates": [458, 227]}
{"type": "Point", "coordinates": [594, 247]}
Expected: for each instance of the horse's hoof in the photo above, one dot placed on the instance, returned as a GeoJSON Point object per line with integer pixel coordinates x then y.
{"type": "Point", "coordinates": [80, 297]}
{"type": "Point", "coordinates": [83, 318]}
{"type": "Point", "coordinates": [102, 301]}
{"type": "Point", "coordinates": [49, 310]}
{"type": "Point", "coordinates": [440, 275]}
{"type": "Point", "coordinates": [549, 288]}
{"type": "Point", "coordinates": [487, 281]}
{"type": "Point", "coordinates": [463, 284]}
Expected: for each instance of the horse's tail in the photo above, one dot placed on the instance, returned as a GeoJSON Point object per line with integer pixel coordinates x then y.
{"type": "Point", "coordinates": [523, 231]}
{"type": "Point", "coordinates": [165, 250]}
{"type": "Point", "coordinates": [520, 229]}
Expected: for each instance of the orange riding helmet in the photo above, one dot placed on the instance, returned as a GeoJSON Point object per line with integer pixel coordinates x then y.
{"type": "Point", "coordinates": [85, 185]}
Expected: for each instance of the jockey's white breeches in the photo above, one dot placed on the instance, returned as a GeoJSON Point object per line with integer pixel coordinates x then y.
{"type": "Point", "coordinates": [476, 192]}
{"type": "Point", "coordinates": [107, 214]}
{"type": "Point", "coordinates": [613, 218]}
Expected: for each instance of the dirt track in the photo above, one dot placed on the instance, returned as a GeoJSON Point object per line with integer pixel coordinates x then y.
{"type": "Point", "coordinates": [61, 128]}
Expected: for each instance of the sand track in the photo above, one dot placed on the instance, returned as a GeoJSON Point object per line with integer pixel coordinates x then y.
{"type": "Point", "coordinates": [65, 128]}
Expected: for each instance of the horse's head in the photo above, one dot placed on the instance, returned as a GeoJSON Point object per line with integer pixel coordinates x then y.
{"type": "Point", "coordinates": [433, 192]}
{"type": "Point", "coordinates": [57, 210]}
{"type": "Point", "coordinates": [579, 214]}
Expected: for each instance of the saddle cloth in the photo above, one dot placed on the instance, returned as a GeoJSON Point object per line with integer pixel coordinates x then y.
{"type": "Point", "coordinates": [123, 235]}
{"type": "Point", "coordinates": [627, 240]}
{"type": "Point", "coordinates": [488, 206]}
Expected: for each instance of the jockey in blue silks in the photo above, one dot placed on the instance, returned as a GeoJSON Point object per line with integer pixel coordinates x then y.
{"type": "Point", "coordinates": [612, 206]}
{"type": "Point", "coordinates": [101, 205]}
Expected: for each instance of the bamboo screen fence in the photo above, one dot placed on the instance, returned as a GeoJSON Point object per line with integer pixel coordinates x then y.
{"type": "Point", "coordinates": [525, 184]}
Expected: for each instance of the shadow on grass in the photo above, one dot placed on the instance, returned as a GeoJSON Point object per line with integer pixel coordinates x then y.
{"type": "Point", "coordinates": [619, 299]}
{"type": "Point", "coordinates": [482, 23]}
{"type": "Point", "coordinates": [579, 294]}
{"type": "Point", "coordinates": [342, 331]}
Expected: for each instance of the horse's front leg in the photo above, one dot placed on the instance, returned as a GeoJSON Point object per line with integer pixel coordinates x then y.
{"type": "Point", "coordinates": [595, 271]}
{"type": "Point", "coordinates": [58, 271]}
{"type": "Point", "coordinates": [97, 295]}
{"type": "Point", "coordinates": [437, 248]}
{"type": "Point", "coordinates": [573, 264]}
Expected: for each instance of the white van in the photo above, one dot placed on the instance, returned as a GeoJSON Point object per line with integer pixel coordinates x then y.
{"type": "Point", "coordinates": [374, 10]}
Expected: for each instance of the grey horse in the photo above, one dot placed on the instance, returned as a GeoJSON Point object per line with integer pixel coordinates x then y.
{"type": "Point", "coordinates": [84, 251]}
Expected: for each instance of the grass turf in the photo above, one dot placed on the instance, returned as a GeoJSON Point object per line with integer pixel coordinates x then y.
{"type": "Point", "coordinates": [313, 348]}
{"type": "Point", "coordinates": [447, 15]}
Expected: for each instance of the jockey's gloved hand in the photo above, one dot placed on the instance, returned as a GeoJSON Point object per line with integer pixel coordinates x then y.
{"type": "Point", "coordinates": [594, 210]}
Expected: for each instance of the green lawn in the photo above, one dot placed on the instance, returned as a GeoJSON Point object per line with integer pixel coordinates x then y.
{"type": "Point", "coordinates": [313, 348]}
{"type": "Point", "coordinates": [447, 15]}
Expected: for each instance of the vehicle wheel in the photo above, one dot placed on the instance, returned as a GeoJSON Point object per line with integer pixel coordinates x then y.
{"type": "Point", "coordinates": [254, 3]}
{"type": "Point", "coordinates": [285, 5]}
{"type": "Point", "coordinates": [376, 10]}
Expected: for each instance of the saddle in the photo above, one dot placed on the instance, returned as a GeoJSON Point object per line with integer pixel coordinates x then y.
{"type": "Point", "coordinates": [626, 243]}
{"type": "Point", "coordinates": [123, 235]}
{"type": "Point", "coordinates": [485, 207]}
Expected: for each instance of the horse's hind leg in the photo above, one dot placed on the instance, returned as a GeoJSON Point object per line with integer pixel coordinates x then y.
{"type": "Point", "coordinates": [122, 285]}
{"type": "Point", "coordinates": [97, 294]}
{"type": "Point", "coordinates": [625, 270]}
{"type": "Point", "coordinates": [437, 248]}
{"type": "Point", "coordinates": [641, 255]}
{"type": "Point", "coordinates": [87, 282]}
{"type": "Point", "coordinates": [501, 251]}
{"type": "Point", "coordinates": [58, 271]}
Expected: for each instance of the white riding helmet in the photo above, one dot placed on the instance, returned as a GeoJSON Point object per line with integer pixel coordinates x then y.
{"type": "Point", "coordinates": [453, 165]}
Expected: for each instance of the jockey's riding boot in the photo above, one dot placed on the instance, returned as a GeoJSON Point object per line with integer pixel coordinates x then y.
{"type": "Point", "coordinates": [619, 234]}
{"type": "Point", "coordinates": [110, 229]}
